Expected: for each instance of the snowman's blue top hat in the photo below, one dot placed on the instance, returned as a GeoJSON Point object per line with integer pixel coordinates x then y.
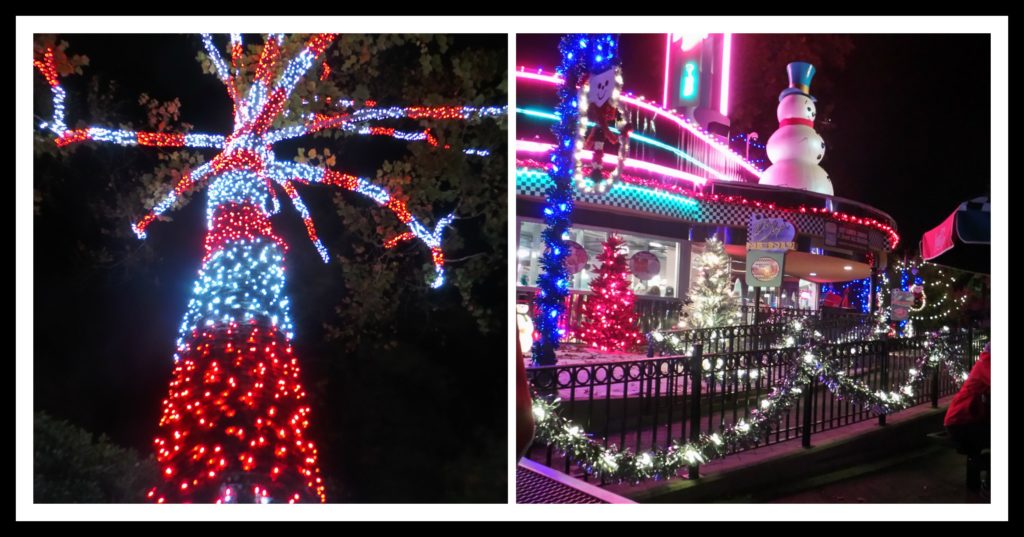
{"type": "Point", "coordinates": [800, 75]}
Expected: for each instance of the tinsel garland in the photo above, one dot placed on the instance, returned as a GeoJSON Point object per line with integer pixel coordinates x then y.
{"type": "Point", "coordinates": [618, 465]}
{"type": "Point", "coordinates": [581, 53]}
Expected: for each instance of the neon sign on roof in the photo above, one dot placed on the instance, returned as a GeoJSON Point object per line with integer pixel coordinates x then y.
{"type": "Point", "coordinates": [687, 41]}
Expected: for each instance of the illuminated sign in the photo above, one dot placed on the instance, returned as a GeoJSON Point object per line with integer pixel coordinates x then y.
{"type": "Point", "coordinates": [687, 58]}
{"type": "Point", "coordinates": [689, 82]}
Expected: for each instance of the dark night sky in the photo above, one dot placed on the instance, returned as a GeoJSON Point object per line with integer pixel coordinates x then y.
{"type": "Point", "coordinates": [104, 338]}
{"type": "Point", "coordinates": [911, 122]}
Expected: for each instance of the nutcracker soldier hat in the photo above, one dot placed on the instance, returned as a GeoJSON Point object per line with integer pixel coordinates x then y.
{"type": "Point", "coordinates": [800, 75]}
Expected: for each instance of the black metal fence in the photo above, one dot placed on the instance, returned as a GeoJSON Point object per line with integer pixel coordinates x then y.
{"type": "Point", "coordinates": [751, 314]}
{"type": "Point", "coordinates": [728, 339]}
{"type": "Point", "coordinates": [662, 313]}
{"type": "Point", "coordinates": [653, 313]}
{"type": "Point", "coordinates": [648, 403]}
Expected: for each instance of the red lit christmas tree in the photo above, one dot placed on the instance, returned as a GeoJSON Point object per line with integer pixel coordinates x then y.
{"type": "Point", "coordinates": [609, 322]}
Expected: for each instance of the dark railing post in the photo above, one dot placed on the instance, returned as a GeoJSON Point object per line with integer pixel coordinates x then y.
{"type": "Point", "coordinates": [884, 373]}
{"type": "Point", "coordinates": [970, 346]}
{"type": "Point", "coordinates": [650, 345]}
{"type": "Point", "coordinates": [935, 387]}
{"type": "Point", "coordinates": [757, 305]}
{"type": "Point", "coordinates": [696, 377]}
{"type": "Point", "coordinates": [805, 434]}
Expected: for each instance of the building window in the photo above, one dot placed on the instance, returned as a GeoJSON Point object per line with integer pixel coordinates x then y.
{"type": "Point", "coordinates": [664, 283]}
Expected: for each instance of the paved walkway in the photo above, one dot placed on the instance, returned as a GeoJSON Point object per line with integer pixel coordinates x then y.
{"type": "Point", "coordinates": [931, 475]}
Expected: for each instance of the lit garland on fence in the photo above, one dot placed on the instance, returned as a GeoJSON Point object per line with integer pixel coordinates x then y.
{"type": "Point", "coordinates": [233, 422]}
{"type": "Point", "coordinates": [624, 465]}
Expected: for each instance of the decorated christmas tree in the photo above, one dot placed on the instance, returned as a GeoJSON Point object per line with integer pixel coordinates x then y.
{"type": "Point", "coordinates": [609, 320]}
{"type": "Point", "coordinates": [711, 299]}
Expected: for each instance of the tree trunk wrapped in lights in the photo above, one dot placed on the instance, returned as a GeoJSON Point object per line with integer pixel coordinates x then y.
{"type": "Point", "coordinates": [234, 421]}
{"type": "Point", "coordinates": [711, 299]}
{"type": "Point", "coordinates": [609, 318]}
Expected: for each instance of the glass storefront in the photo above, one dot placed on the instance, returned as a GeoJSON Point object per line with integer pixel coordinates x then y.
{"type": "Point", "coordinates": [659, 256]}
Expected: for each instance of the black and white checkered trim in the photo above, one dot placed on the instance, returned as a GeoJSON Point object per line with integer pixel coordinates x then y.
{"type": "Point", "coordinates": [534, 183]}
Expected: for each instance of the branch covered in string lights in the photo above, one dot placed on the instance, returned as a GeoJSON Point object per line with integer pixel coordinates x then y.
{"type": "Point", "coordinates": [248, 148]}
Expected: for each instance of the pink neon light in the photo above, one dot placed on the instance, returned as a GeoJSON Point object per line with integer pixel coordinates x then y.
{"type": "Point", "coordinates": [723, 105]}
{"type": "Point", "coordinates": [668, 54]}
{"type": "Point", "coordinates": [538, 76]}
{"type": "Point", "coordinates": [682, 122]}
{"type": "Point", "coordinates": [527, 146]}
{"type": "Point", "coordinates": [688, 40]}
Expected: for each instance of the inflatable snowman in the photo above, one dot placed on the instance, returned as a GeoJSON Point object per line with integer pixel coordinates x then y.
{"type": "Point", "coordinates": [796, 149]}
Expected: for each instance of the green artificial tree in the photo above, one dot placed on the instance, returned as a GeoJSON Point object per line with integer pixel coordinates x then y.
{"type": "Point", "coordinates": [711, 301]}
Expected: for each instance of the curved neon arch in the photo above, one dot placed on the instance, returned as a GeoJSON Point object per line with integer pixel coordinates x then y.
{"type": "Point", "coordinates": [527, 146]}
{"type": "Point", "coordinates": [539, 76]}
{"type": "Point", "coordinates": [638, 137]}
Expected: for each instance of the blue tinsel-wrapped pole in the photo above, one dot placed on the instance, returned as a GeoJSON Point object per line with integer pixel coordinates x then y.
{"type": "Point", "coordinates": [581, 53]}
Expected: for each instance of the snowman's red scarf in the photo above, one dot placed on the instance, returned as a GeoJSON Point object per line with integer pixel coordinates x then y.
{"type": "Point", "coordinates": [796, 121]}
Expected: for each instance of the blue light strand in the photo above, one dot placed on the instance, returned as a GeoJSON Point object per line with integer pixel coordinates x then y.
{"type": "Point", "coordinates": [861, 290]}
{"type": "Point", "coordinates": [581, 53]}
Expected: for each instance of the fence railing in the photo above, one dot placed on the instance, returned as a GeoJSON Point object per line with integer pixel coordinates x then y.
{"type": "Point", "coordinates": [649, 403]}
{"type": "Point", "coordinates": [662, 313]}
{"type": "Point", "coordinates": [653, 313]}
{"type": "Point", "coordinates": [727, 339]}
{"type": "Point", "coordinates": [751, 314]}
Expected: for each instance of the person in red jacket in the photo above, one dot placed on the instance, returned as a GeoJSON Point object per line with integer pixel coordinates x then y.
{"type": "Point", "coordinates": [968, 419]}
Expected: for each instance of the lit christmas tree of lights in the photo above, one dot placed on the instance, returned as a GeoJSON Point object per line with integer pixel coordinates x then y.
{"type": "Point", "coordinates": [712, 302]}
{"type": "Point", "coordinates": [234, 421]}
{"type": "Point", "coordinates": [609, 320]}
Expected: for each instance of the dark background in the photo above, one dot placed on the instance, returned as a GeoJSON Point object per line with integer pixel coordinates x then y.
{"type": "Point", "coordinates": [421, 421]}
{"type": "Point", "coordinates": [906, 117]}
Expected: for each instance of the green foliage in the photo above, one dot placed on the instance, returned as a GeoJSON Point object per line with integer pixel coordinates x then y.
{"type": "Point", "coordinates": [412, 70]}
{"type": "Point", "coordinates": [133, 180]}
{"type": "Point", "coordinates": [71, 466]}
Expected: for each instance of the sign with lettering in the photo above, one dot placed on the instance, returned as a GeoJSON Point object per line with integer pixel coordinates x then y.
{"type": "Point", "coordinates": [837, 234]}
{"type": "Point", "coordinates": [770, 234]}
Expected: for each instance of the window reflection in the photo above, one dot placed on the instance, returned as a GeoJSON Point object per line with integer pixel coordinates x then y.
{"type": "Point", "coordinates": [663, 283]}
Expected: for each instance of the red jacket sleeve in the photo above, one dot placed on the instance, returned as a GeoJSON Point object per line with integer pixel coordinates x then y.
{"type": "Point", "coordinates": [966, 406]}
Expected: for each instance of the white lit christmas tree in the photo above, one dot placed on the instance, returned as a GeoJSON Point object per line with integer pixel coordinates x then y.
{"type": "Point", "coordinates": [711, 299]}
